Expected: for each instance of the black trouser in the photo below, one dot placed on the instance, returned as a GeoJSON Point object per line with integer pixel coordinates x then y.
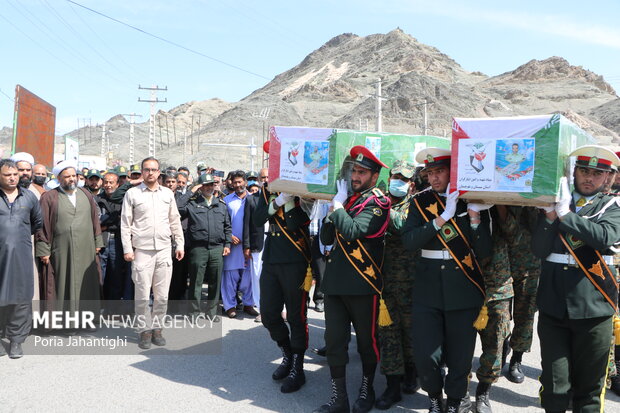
{"type": "Point", "coordinates": [444, 335]}
{"type": "Point", "coordinates": [178, 282]}
{"type": "Point", "coordinates": [574, 357]}
{"type": "Point", "coordinates": [282, 284]}
{"type": "Point", "coordinates": [317, 262]}
{"type": "Point", "coordinates": [16, 321]}
{"type": "Point", "coordinates": [340, 312]}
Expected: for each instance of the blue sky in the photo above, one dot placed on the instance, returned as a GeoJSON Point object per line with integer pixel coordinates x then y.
{"type": "Point", "coordinates": [90, 67]}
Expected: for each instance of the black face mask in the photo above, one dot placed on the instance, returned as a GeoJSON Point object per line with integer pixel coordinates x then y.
{"type": "Point", "coordinates": [38, 180]}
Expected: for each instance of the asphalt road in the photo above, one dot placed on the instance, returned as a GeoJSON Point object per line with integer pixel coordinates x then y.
{"type": "Point", "coordinates": [236, 380]}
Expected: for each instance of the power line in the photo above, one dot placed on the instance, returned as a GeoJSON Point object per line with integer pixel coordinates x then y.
{"type": "Point", "coordinates": [168, 41]}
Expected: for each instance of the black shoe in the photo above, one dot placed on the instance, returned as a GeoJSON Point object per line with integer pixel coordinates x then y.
{"type": "Point", "coordinates": [436, 406]}
{"type": "Point", "coordinates": [320, 351]}
{"type": "Point", "coordinates": [515, 374]}
{"type": "Point", "coordinates": [506, 350]}
{"type": "Point", "coordinates": [15, 351]}
{"type": "Point", "coordinates": [615, 384]}
{"type": "Point", "coordinates": [339, 401]}
{"type": "Point", "coordinates": [366, 398]}
{"type": "Point", "coordinates": [391, 395]}
{"type": "Point", "coordinates": [285, 366]}
{"type": "Point", "coordinates": [410, 383]}
{"type": "Point", "coordinates": [296, 377]}
{"type": "Point", "coordinates": [319, 307]}
{"type": "Point", "coordinates": [459, 405]}
{"type": "Point", "coordinates": [483, 404]}
{"type": "Point", "coordinates": [145, 340]}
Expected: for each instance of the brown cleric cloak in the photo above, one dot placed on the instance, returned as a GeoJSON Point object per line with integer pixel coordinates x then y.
{"type": "Point", "coordinates": [73, 272]}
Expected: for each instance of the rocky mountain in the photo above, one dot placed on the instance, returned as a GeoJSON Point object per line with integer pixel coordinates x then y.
{"type": "Point", "coordinates": [334, 87]}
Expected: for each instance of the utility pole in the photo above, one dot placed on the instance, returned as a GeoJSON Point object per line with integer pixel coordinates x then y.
{"type": "Point", "coordinates": [263, 115]}
{"type": "Point", "coordinates": [153, 100]}
{"type": "Point", "coordinates": [103, 144]}
{"type": "Point", "coordinates": [131, 136]}
{"type": "Point", "coordinates": [379, 98]}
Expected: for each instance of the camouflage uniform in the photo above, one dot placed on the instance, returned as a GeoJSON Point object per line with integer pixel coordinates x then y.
{"type": "Point", "coordinates": [398, 273]}
{"type": "Point", "coordinates": [525, 268]}
{"type": "Point", "coordinates": [499, 291]}
{"type": "Point", "coordinates": [512, 271]}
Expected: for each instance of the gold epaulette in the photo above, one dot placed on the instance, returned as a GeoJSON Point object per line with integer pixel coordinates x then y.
{"type": "Point", "coordinates": [377, 192]}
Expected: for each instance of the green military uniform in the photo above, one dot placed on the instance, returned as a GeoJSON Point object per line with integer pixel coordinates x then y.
{"type": "Point", "coordinates": [281, 282]}
{"type": "Point", "coordinates": [209, 231]}
{"type": "Point", "coordinates": [575, 321]}
{"type": "Point", "coordinates": [398, 274]}
{"type": "Point", "coordinates": [348, 297]}
{"type": "Point", "coordinates": [445, 303]}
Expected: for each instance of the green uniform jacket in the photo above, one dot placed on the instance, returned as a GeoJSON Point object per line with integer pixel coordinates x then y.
{"type": "Point", "coordinates": [341, 278]}
{"type": "Point", "coordinates": [278, 249]}
{"type": "Point", "coordinates": [441, 283]}
{"type": "Point", "coordinates": [564, 289]}
{"type": "Point", "coordinates": [208, 224]}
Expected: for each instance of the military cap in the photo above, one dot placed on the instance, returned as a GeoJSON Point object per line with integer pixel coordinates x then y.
{"type": "Point", "coordinates": [201, 166]}
{"type": "Point", "coordinates": [120, 171]}
{"type": "Point", "coordinates": [205, 179]}
{"type": "Point", "coordinates": [406, 169]}
{"type": "Point", "coordinates": [251, 174]}
{"type": "Point", "coordinates": [135, 169]}
{"type": "Point", "coordinates": [432, 157]}
{"type": "Point", "coordinates": [94, 172]}
{"type": "Point", "coordinates": [595, 157]}
{"type": "Point", "coordinates": [362, 156]}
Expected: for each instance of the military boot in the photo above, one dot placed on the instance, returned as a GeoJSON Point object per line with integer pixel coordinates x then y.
{"type": "Point", "coordinates": [296, 377]}
{"type": "Point", "coordinates": [285, 366]}
{"type": "Point", "coordinates": [515, 374]}
{"type": "Point", "coordinates": [391, 395]}
{"type": "Point", "coordinates": [410, 383]}
{"type": "Point", "coordinates": [459, 405]}
{"type": "Point", "coordinates": [483, 405]}
{"type": "Point", "coordinates": [339, 401]}
{"type": "Point", "coordinates": [366, 398]}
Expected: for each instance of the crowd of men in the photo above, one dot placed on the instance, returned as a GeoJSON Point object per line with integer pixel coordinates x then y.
{"type": "Point", "coordinates": [416, 270]}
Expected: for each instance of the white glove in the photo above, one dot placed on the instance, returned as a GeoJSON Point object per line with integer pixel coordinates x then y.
{"type": "Point", "coordinates": [283, 198]}
{"type": "Point", "coordinates": [547, 209]}
{"type": "Point", "coordinates": [450, 210]}
{"type": "Point", "coordinates": [479, 207]}
{"type": "Point", "coordinates": [562, 207]}
{"type": "Point", "coordinates": [342, 194]}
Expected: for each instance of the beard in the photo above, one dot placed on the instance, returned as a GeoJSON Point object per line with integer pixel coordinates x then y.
{"type": "Point", "coordinates": [69, 187]}
{"type": "Point", "coordinates": [24, 181]}
{"type": "Point", "coordinates": [589, 193]}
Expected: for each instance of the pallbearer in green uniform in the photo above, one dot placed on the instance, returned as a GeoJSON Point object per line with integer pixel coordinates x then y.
{"type": "Point", "coordinates": [353, 281]}
{"type": "Point", "coordinates": [448, 291]}
{"type": "Point", "coordinates": [285, 261]}
{"type": "Point", "coordinates": [398, 271]}
{"type": "Point", "coordinates": [577, 293]}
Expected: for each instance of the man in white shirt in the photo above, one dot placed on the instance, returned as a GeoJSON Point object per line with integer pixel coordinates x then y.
{"type": "Point", "coordinates": [150, 222]}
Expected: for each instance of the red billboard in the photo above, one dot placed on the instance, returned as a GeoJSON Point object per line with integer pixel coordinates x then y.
{"type": "Point", "coordinates": [34, 126]}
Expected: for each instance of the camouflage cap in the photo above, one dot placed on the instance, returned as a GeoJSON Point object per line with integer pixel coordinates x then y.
{"type": "Point", "coordinates": [201, 166]}
{"type": "Point", "coordinates": [251, 174]}
{"type": "Point", "coordinates": [406, 169]}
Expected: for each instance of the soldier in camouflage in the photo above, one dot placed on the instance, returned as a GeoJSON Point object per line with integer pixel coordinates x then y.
{"type": "Point", "coordinates": [395, 341]}
{"type": "Point", "coordinates": [510, 272]}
